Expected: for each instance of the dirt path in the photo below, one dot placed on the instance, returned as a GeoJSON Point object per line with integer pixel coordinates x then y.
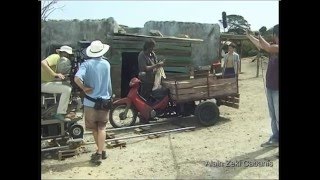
{"type": "Point", "coordinates": [235, 138]}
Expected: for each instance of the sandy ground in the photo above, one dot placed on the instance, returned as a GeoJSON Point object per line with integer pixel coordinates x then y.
{"type": "Point", "coordinates": [191, 155]}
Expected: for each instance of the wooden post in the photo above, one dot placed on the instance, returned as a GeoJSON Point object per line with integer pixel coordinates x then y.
{"type": "Point", "coordinates": [191, 72]}
{"type": "Point", "coordinates": [240, 56]}
{"type": "Point", "coordinates": [208, 86]}
{"type": "Point", "coordinates": [258, 59]}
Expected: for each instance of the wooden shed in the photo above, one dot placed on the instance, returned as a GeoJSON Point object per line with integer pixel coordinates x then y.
{"type": "Point", "coordinates": [124, 51]}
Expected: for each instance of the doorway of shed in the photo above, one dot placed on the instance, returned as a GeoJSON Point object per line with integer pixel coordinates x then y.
{"type": "Point", "coordinates": [129, 70]}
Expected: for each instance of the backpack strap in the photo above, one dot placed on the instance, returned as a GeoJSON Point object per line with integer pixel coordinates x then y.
{"type": "Point", "coordinates": [90, 98]}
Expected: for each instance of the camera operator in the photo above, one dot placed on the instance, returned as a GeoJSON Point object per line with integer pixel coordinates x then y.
{"type": "Point", "coordinates": [49, 67]}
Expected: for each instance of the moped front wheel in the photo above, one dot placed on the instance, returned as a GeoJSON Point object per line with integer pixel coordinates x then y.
{"type": "Point", "coordinates": [122, 116]}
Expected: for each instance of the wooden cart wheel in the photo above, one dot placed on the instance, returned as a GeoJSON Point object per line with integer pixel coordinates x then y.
{"type": "Point", "coordinates": [207, 113]}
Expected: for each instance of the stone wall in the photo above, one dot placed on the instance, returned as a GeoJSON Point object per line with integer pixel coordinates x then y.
{"type": "Point", "coordinates": [69, 32]}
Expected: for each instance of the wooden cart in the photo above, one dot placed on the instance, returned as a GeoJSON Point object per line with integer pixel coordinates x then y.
{"type": "Point", "coordinates": [202, 89]}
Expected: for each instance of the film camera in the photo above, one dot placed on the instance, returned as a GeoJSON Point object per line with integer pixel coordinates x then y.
{"type": "Point", "coordinates": [77, 59]}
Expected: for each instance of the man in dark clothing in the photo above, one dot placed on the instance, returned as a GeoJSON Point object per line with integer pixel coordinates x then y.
{"type": "Point", "coordinates": [272, 82]}
{"type": "Point", "coordinates": [148, 63]}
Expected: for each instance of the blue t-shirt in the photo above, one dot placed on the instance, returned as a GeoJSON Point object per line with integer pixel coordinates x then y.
{"type": "Point", "coordinates": [95, 73]}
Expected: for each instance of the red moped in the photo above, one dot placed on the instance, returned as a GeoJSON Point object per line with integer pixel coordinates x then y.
{"type": "Point", "coordinates": [126, 110]}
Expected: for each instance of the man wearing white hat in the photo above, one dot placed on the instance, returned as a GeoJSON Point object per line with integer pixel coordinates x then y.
{"type": "Point", "coordinates": [94, 78]}
{"type": "Point", "coordinates": [48, 85]}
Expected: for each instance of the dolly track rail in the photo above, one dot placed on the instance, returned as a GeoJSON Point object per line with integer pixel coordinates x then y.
{"type": "Point", "coordinates": [147, 134]}
{"type": "Point", "coordinates": [131, 127]}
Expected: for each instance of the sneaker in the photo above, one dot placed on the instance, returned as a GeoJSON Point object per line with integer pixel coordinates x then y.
{"type": "Point", "coordinates": [96, 159]}
{"type": "Point", "coordinates": [103, 155]}
{"type": "Point", "coordinates": [270, 143]}
{"type": "Point", "coordinates": [61, 117]}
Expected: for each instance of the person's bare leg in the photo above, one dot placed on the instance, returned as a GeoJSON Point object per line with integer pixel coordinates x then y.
{"type": "Point", "coordinates": [102, 131]}
{"type": "Point", "coordinates": [95, 136]}
{"type": "Point", "coordinates": [101, 140]}
{"type": "Point", "coordinates": [89, 117]}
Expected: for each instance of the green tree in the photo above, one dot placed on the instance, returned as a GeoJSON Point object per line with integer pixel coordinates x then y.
{"type": "Point", "coordinates": [263, 30]}
{"type": "Point", "coordinates": [237, 24]}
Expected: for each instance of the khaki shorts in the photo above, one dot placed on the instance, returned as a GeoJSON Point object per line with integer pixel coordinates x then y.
{"type": "Point", "coordinates": [95, 119]}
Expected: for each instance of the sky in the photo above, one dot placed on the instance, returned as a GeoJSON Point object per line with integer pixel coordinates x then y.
{"type": "Point", "coordinates": [136, 13]}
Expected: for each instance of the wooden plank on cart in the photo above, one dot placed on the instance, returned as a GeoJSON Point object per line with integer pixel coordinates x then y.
{"type": "Point", "coordinates": [230, 101]}
{"type": "Point", "coordinates": [200, 88]}
{"type": "Point", "coordinates": [190, 83]}
{"type": "Point", "coordinates": [223, 89]}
